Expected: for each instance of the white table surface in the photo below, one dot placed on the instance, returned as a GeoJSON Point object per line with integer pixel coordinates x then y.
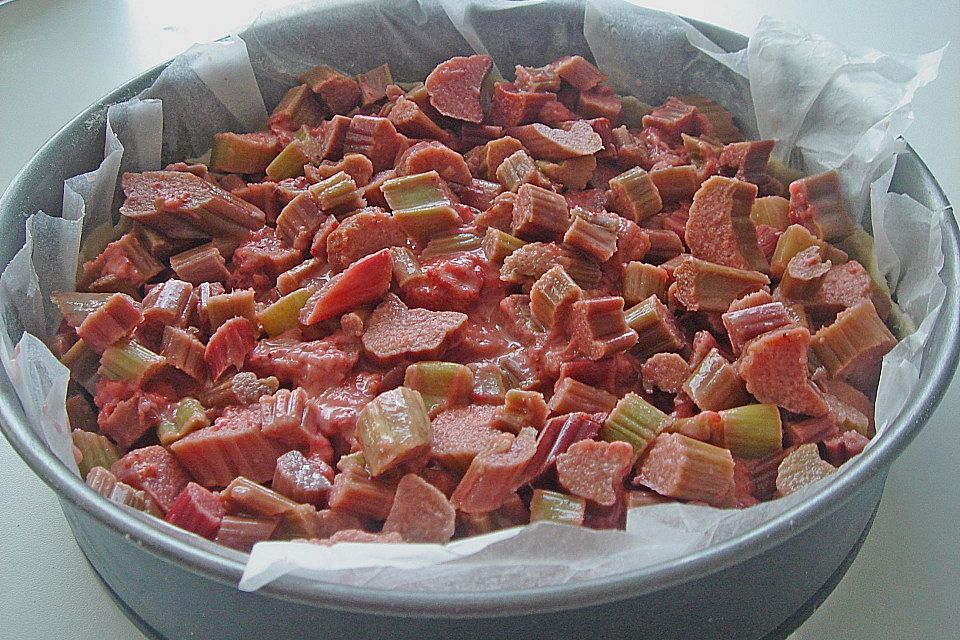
{"type": "Point", "coordinates": [58, 57]}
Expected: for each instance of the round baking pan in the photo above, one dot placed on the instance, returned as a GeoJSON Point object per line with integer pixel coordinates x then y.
{"type": "Point", "coordinates": [760, 584]}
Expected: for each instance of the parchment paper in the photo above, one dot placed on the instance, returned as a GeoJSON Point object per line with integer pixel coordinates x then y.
{"type": "Point", "coordinates": [827, 107]}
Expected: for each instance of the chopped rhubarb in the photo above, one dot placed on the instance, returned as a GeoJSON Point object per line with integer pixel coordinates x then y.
{"type": "Point", "coordinates": [546, 143]}
{"type": "Point", "coordinates": [595, 470]}
{"type": "Point", "coordinates": [687, 469]}
{"type": "Point", "coordinates": [801, 467]}
{"type": "Point", "coordinates": [396, 332]}
{"type": "Point", "coordinates": [434, 156]}
{"type": "Point", "coordinates": [852, 347]}
{"type": "Point", "coordinates": [539, 214]}
{"type": "Point", "coordinates": [454, 87]}
{"type": "Point", "coordinates": [420, 512]}
{"type": "Point", "coordinates": [774, 368]}
{"type": "Point", "coordinates": [511, 108]}
{"type": "Point", "coordinates": [111, 321]}
{"type": "Point", "coordinates": [364, 281]}
{"type": "Point", "coordinates": [339, 92]}
{"type": "Point", "coordinates": [495, 474]}
{"type": "Point", "coordinates": [153, 470]}
{"type": "Point", "coordinates": [816, 202]}
{"type": "Point", "coordinates": [229, 346]}
{"type": "Point", "coordinates": [198, 510]}
{"type": "Point", "coordinates": [719, 229]}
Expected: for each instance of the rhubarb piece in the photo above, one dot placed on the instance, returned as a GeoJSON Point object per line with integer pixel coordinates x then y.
{"type": "Point", "coordinates": [420, 512]}
{"type": "Point", "coordinates": [794, 240]}
{"type": "Point", "coordinates": [674, 117]}
{"type": "Point", "coordinates": [124, 265]}
{"type": "Point", "coordinates": [838, 391]}
{"type": "Point", "coordinates": [804, 275]}
{"type": "Point", "coordinates": [197, 510]}
{"type": "Point", "coordinates": [595, 470]}
{"type": "Point", "coordinates": [441, 384]}
{"type": "Point", "coordinates": [431, 155]}
{"type": "Point", "coordinates": [236, 304]}
{"type": "Point", "coordinates": [634, 421]}
{"type": "Point", "coordinates": [772, 211]}
{"type": "Point", "coordinates": [751, 431]}
{"type": "Point", "coordinates": [111, 321]}
{"type": "Point", "coordinates": [409, 119]}
{"type": "Point", "coordinates": [241, 533]}
{"type": "Point", "coordinates": [373, 137]}
{"type": "Point", "coordinates": [339, 92]}
{"type": "Point", "coordinates": [180, 204]}
{"type": "Point", "coordinates": [243, 388]}
{"type": "Point", "coordinates": [396, 332]}
{"type": "Point", "coordinates": [355, 492]}
{"type": "Point", "coordinates": [495, 473]}
{"type": "Point", "coordinates": [573, 174]}
{"type": "Point", "coordinates": [155, 471]}
{"type": "Point", "coordinates": [303, 480]}
{"type": "Point", "coordinates": [232, 446]}
{"type": "Point", "coordinates": [476, 135]}
{"type": "Point", "coordinates": [315, 365]}
{"type": "Point", "coordinates": [363, 282]}
{"type": "Point", "coordinates": [539, 214]}
{"type": "Point", "coordinates": [462, 433]}
{"type": "Point", "coordinates": [416, 190]}
{"type": "Point", "coordinates": [797, 432]}
{"type": "Point", "coordinates": [373, 84]}
{"type": "Point", "coordinates": [557, 507]}
{"type": "Point", "coordinates": [448, 244]}
{"type": "Point", "coordinates": [201, 264]}
{"type": "Point", "coordinates": [534, 79]}
{"type": "Point", "coordinates": [167, 303]}
{"type": "Point", "coordinates": [422, 223]}
{"type": "Point", "coordinates": [852, 347]}
{"type": "Point", "coordinates": [406, 267]}
{"type": "Point", "coordinates": [634, 196]}
{"type": "Point", "coordinates": [801, 467]}
{"type": "Point", "coordinates": [519, 169]}
{"type": "Point", "coordinates": [299, 220]}
{"type": "Point", "coordinates": [552, 297]}
{"type": "Point", "coordinates": [714, 120]}
{"type": "Point", "coordinates": [130, 361]}
{"type": "Point", "coordinates": [511, 108]}
{"type": "Point", "coordinates": [572, 395]}
{"type": "Point", "coordinates": [749, 161]}
{"type": "Point", "coordinates": [284, 314]}
{"type": "Point", "coordinates": [655, 327]}
{"type": "Point", "coordinates": [703, 426]}
{"type": "Point", "coordinates": [719, 229]}
{"type": "Point", "coordinates": [593, 233]}
{"type": "Point", "coordinates": [599, 329]}
{"type": "Point", "coordinates": [687, 469]}
{"type": "Point", "coordinates": [705, 286]}
{"type": "Point", "coordinates": [182, 350]}
{"type": "Point", "coordinates": [497, 244]}
{"type": "Point", "coordinates": [489, 385]}
{"type": "Point", "coordinates": [309, 274]}
{"type": "Point", "coordinates": [244, 496]}
{"type": "Point", "coordinates": [392, 429]}
{"type": "Point", "coordinates": [360, 235]}
{"type": "Point", "coordinates": [304, 523]}
{"type": "Point", "coordinates": [454, 87]}
{"type": "Point", "coordinates": [75, 306]}
{"type": "Point", "coordinates": [578, 72]}
{"type": "Point", "coordinates": [304, 150]}
{"type": "Point", "coordinates": [745, 324]}
{"type": "Point", "coordinates": [844, 286]}
{"type": "Point", "coordinates": [243, 152]}
{"type": "Point", "coordinates": [357, 166]}
{"type": "Point", "coordinates": [714, 384]}
{"type": "Point", "coordinates": [229, 346]}
{"type": "Point", "coordinates": [600, 102]}
{"type": "Point", "coordinates": [479, 194]}
{"type": "Point", "coordinates": [556, 437]}
{"type": "Point", "coordinates": [521, 409]}
{"type": "Point", "coordinates": [337, 195]}
{"type": "Point", "coordinates": [641, 280]}
{"type": "Point", "coordinates": [188, 416]}
{"type": "Point", "coordinates": [298, 107]}
{"type": "Point", "coordinates": [547, 143]}
{"type": "Point", "coordinates": [774, 368]}
{"type": "Point", "coordinates": [95, 451]}
{"type": "Point", "coordinates": [843, 447]}
{"type": "Point", "coordinates": [665, 371]}
{"type": "Point", "coordinates": [664, 245]}
{"type": "Point", "coordinates": [816, 202]}
{"type": "Point", "coordinates": [286, 418]}
{"type": "Point", "coordinates": [676, 183]}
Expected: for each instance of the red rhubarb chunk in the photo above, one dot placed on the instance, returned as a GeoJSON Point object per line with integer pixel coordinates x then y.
{"type": "Point", "coordinates": [396, 332]}
{"type": "Point", "coordinates": [460, 434]}
{"type": "Point", "coordinates": [454, 87]}
{"type": "Point", "coordinates": [495, 474]}
{"type": "Point", "coordinates": [155, 471]}
{"type": "Point", "coordinates": [420, 512]}
{"type": "Point", "coordinates": [360, 235]}
{"type": "Point", "coordinates": [198, 510]}
{"type": "Point", "coordinates": [233, 446]}
{"type": "Point", "coordinates": [595, 470]}
{"type": "Point", "coordinates": [431, 155]}
{"type": "Point", "coordinates": [229, 346]}
{"type": "Point", "coordinates": [315, 365]}
{"type": "Point", "coordinates": [546, 143]}
{"type": "Point", "coordinates": [774, 368]}
{"type": "Point", "coordinates": [302, 479]}
{"type": "Point", "coordinates": [363, 282]}
{"type": "Point", "coordinates": [116, 318]}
